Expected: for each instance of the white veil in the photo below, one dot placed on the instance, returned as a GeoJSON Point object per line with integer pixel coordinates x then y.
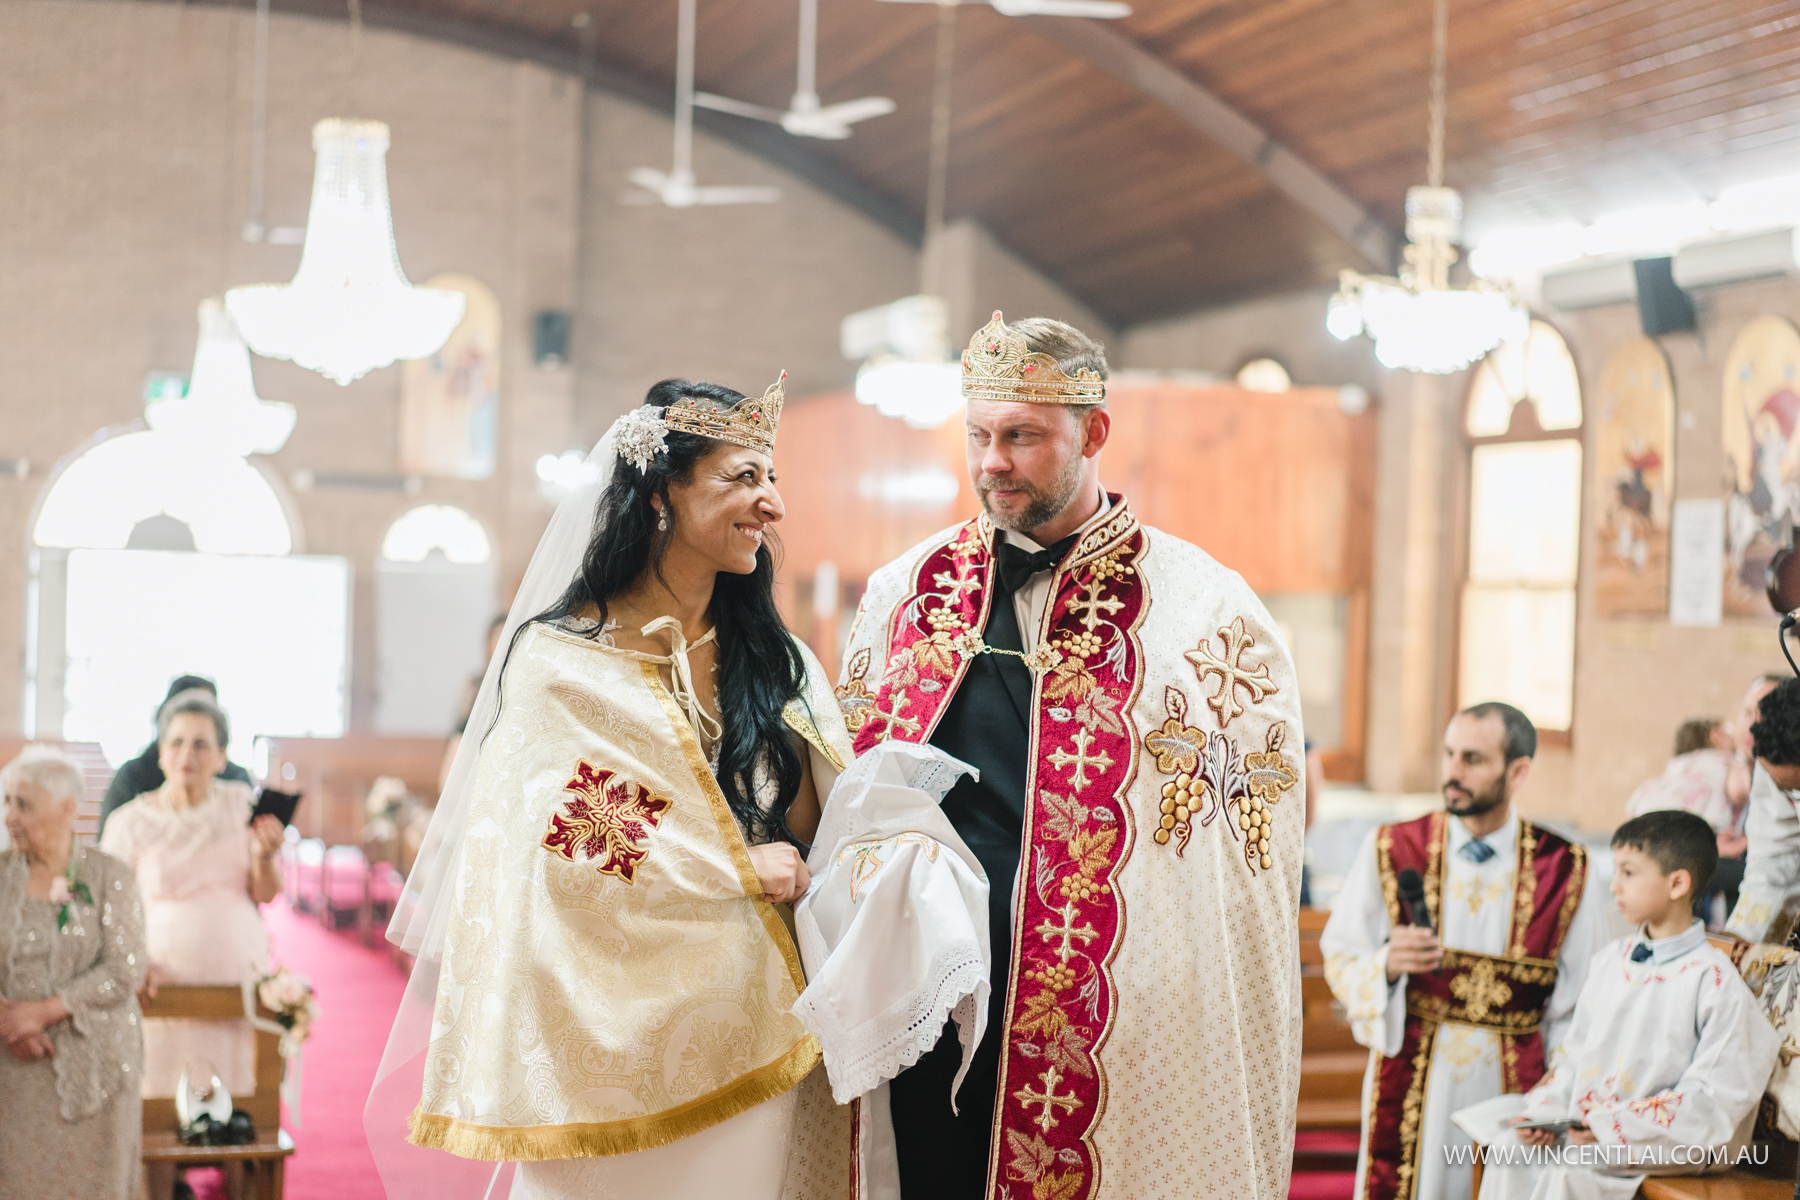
{"type": "Point", "coordinates": [423, 913]}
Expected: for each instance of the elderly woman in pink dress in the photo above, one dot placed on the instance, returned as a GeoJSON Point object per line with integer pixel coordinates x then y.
{"type": "Point", "coordinates": [202, 867]}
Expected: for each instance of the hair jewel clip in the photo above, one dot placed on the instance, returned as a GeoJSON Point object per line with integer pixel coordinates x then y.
{"type": "Point", "coordinates": [640, 435]}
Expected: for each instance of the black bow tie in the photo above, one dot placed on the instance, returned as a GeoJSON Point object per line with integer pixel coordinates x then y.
{"type": "Point", "coordinates": [1017, 565]}
{"type": "Point", "coordinates": [1640, 952]}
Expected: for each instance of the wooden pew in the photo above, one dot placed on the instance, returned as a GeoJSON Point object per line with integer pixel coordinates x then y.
{"type": "Point", "coordinates": [96, 775]}
{"type": "Point", "coordinates": [254, 1171]}
{"type": "Point", "coordinates": [336, 773]}
{"type": "Point", "coordinates": [1331, 1063]}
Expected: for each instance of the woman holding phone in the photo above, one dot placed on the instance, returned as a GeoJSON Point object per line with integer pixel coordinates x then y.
{"type": "Point", "coordinates": [203, 866]}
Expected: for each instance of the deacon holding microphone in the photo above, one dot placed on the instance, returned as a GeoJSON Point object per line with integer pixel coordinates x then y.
{"type": "Point", "coordinates": [1457, 947]}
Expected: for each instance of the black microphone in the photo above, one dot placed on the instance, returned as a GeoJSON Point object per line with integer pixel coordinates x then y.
{"type": "Point", "coordinates": [1412, 890]}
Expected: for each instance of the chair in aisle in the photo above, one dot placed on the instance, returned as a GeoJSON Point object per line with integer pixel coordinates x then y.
{"type": "Point", "coordinates": [303, 873]}
{"type": "Point", "coordinates": [255, 1171]}
{"type": "Point", "coordinates": [344, 883]}
{"type": "Point", "coordinates": [380, 895]}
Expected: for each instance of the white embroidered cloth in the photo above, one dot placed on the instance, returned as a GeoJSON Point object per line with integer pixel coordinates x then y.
{"type": "Point", "coordinates": [894, 929]}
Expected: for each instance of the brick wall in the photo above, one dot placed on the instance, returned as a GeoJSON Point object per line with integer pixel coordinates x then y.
{"type": "Point", "coordinates": [124, 177]}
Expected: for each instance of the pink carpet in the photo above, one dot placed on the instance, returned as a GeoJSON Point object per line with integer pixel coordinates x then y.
{"type": "Point", "coordinates": [1322, 1185]}
{"type": "Point", "coordinates": [358, 990]}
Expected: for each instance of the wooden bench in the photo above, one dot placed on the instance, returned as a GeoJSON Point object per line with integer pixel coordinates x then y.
{"type": "Point", "coordinates": [1737, 1184]}
{"type": "Point", "coordinates": [1331, 1063]}
{"type": "Point", "coordinates": [96, 776]}
{"type": "Point", "coordinates": [254, 1171]}
{"type": "Point", "coordinates": [336, 773]}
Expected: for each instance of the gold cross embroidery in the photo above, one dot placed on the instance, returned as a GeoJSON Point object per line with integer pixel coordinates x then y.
{"type": "Point", "coordinates": [1067, 931]}
{"type": "Point", "coordinates": [1081, 760]}
{"type": "Point", "coordinates": [896, 705]}
{"type": "Point", "coordinates": [1481, 990]}
{"type": "Point", "coordinates": [1233, 673]}
{"type": "Point", "coordinates": [1093, 605]}
{"type": "Point", "coordinates": [1046, 1120]}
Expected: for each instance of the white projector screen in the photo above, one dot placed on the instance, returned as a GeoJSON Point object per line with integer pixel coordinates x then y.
{"type": "Point", "coordinates": [273, 632]}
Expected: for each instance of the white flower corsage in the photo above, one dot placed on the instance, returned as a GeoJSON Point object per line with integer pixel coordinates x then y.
{"type": "Point", "coordinates": [640, 435]}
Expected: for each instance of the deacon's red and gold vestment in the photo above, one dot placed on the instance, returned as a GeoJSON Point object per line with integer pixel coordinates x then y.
{"type": "Point", "coordinates": [1151, 1010]}
{"type": "Point", "coordinates": [1517, 939]}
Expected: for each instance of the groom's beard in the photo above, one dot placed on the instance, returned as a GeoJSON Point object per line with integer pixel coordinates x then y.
{"type": "Point", "coordinates": [1459, 802]}
{"type": "Point", "coordinates": [1042, 505]}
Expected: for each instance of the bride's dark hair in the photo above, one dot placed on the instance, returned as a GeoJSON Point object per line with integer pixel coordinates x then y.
{"type": "Point", "coordinates": [760, 669]}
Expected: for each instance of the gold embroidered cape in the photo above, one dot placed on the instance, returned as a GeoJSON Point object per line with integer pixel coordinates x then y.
{"type": "Point", "coordinates": [609, 982]}
{"type": "Point", "coordinates": [1152, 1023]}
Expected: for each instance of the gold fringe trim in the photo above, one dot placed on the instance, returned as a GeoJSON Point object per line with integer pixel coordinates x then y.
{"type": "Point", "coordinates": [536, 1143]}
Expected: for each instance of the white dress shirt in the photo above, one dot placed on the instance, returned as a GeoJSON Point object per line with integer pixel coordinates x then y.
{"type": "Point", "coordinates": [1030, 601]}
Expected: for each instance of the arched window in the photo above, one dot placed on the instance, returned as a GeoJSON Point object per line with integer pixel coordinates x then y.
{"type": "Point", "coordinates": [105, 498]}
{"type": "Point", "coordinates": [434, 600]}
{"type": "Point", "coordinates": [1523, 424]}
{"type": "Point", "coordinates": [156, 555]}
{"type": "Point", "coordinates": [435, 528]}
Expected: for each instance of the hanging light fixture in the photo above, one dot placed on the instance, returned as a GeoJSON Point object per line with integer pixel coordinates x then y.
{"type": "Point", "coordinates": [915, 376]}
{"type": "Point", "coordinates": [1419, 322]}
{"type": "Point", "coordinates": [221, 408]}
{"type": "Point", "coordinates": [349, 308]}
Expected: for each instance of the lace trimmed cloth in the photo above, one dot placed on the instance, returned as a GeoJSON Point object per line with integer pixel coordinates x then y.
{"type": "Point", "coordinates": [95, 963]}
{"type": "Point", "coordinates": [894, 929]}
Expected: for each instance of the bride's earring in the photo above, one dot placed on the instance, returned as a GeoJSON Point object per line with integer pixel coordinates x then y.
{"type": "Point", "coordinates": [662, 521]}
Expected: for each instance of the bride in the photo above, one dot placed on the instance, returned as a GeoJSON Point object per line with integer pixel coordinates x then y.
{"type": "Point", "coordinates": [605, 983]}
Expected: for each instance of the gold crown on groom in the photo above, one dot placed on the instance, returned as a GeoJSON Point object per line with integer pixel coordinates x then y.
{"type": "Point", "coordinates": [749, 423]}
{"type": "Point", "coordinates": [999, 365]}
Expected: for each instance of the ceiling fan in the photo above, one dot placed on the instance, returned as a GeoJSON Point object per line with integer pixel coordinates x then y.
{"type": "Point", "coordinates": [805, 115]}
{"type": "Point", "coordinates": [676, 187]}
{"type": "Point", "coordinates": [1104, 10]}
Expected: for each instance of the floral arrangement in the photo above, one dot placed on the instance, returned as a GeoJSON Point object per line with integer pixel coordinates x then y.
{"type": "Point", "coordinates": [290, 998]}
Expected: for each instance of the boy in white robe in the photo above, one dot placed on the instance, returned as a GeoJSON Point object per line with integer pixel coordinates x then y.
{"type": "Point", "coordinates": [1668, 1052]}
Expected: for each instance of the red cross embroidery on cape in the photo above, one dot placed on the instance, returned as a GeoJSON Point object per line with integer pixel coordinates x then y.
{"type": "Point", "coordinates": [605, 821]}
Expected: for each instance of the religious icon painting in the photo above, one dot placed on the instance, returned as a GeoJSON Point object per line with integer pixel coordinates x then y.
{"type": "Point", "coordinates": [1761, 431]}
{"type": "Point", "coordinates": [450, 401]}
{"type": "Point", "coordinates": [1634, 443]}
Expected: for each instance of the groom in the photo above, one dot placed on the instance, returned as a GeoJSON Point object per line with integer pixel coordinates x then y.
{"type": "Point", "coordinates": [1134, 717]}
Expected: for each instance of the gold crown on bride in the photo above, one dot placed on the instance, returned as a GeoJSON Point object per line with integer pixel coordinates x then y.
{"type": "Point", "coordinates": [749, 423]}
{"type": "Point", "coordinates": [639, 434]}
{"type": "Point", "coordinates": [1000, 365]}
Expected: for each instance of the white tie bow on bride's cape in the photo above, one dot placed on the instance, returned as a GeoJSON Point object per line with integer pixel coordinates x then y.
{"type": "Point", "coordinates": [894, 929]}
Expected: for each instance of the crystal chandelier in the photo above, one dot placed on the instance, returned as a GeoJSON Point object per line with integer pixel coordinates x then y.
{"type": "Point", "coordinates": [349, 308]}
{"type": "Point", "coordinates": [923, 394]}
{"type": "Point", "coordinates": [221, 408]}
{"type": "Point", "coordinates": [1419, 322]}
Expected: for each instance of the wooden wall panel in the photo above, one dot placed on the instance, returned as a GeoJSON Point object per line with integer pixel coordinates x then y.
{"type": "Point", "coordinates": [1278, 488]}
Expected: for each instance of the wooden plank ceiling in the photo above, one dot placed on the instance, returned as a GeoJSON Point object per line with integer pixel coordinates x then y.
{"type": "Point", "coordinates": [1559, 110]}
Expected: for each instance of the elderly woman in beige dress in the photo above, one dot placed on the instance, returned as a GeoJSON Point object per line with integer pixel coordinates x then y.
{"type": "Point", "coordinates": [203, 867]}
{"type": "Point", "coordinates": [71, 959]}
